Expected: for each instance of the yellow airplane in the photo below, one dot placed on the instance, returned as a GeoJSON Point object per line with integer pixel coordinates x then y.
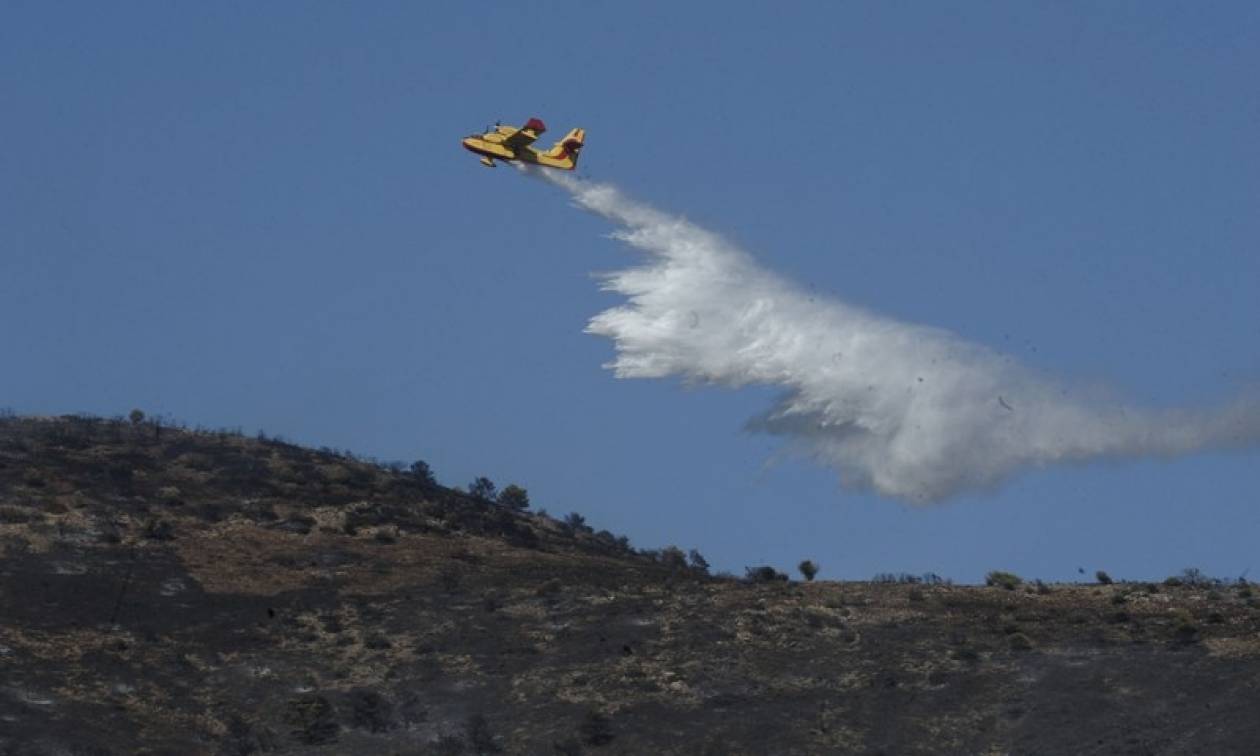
{"type": "Point", "coordinates": [511, 143]}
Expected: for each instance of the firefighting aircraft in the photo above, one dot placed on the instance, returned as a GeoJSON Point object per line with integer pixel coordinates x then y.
{"type": "Point", "coordinates": [511, 143]}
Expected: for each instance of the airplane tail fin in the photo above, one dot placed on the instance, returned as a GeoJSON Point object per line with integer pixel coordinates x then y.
{"type": "Point", "coordinates": [567, 149]}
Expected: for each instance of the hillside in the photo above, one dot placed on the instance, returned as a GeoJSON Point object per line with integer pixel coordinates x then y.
{"type": "Point", "coordinates": [170, 591]}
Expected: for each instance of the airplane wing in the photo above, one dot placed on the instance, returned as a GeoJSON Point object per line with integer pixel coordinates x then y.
{"type": "Point", "coordinates": [525, 135]}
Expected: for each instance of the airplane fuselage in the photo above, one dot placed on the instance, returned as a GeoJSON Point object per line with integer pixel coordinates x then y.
{"type": "Point", "coordinates": [493, 146]}
{"type": "Point", "coordinates": [494, 150]}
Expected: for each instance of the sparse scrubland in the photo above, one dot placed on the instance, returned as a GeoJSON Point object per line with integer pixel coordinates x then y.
{"type": "Point", "coordinates": [167, 590]}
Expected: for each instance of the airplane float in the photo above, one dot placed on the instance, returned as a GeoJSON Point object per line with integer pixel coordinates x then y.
{"type": "Point", "coordinates": [510, 143]}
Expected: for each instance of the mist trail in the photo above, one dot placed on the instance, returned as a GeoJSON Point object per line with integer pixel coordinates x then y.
{"type": "Point", "coordinates": [912, 412]}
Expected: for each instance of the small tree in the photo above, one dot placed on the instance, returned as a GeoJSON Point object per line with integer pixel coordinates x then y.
{"type": "Point", "coordinates": [423, 474]}
{"type": "Point", "coordinates": [808, 570]}
{"type": "Point", "coordinates": [482, 488]}
{"type": "Point", "coordinates": [673, 558]}
{"type": "Point", "coordinates": [575, 522]}
{"type": "Point", "coordinates": [698, 562]}
{"type": "Point", "coordinates": [136, 416]}
{"type": "Point", "coordinates": [1196, 578]}
{"type": "Point", "coordinates": [1103, 578]}
{"type": "Point", "coordinates": [514, 497]}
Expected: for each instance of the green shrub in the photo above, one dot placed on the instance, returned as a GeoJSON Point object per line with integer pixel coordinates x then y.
{"type": "Point", "coordinates": [159, 530]}
{"type": "Point", "coordinates": [907, 578]}
{"type": "Point", "coordinates": [672, 557]}
{"type": "Point", "coordinates": [514, 497]}
{"type": "Point", "coordinates": [764, 574]}
{"type": "Point", "coordinates": [422, 473]}
{"type": "Point", "coordinates": [15, 515]}
{"type": "Point", "coordinates": [1103, 578]}
{"type": "Point", "coordinates": [482, 488]}
{"type": "Point", "coordinates": [313, 720]}
{"type": "Point", "coordinates": [1008, 580]}
{"type": "Point", "coordinates": [1020, 642]}
{"type": "Point", "coordinates": [575, 523]}
{"type": "Point", "coordinates": [170, 496]}
{"type": "Point", "coordinates": [808, 570]}
{"type": "Point", "coordinates": [606, 540]}
{"type": "Point", "coordinates": [1186, 633]}
{"type": "Point", "coordinates": [595, 729]}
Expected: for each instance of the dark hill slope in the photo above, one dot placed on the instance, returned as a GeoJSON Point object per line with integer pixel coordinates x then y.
{"type": "Point", "coordinates": [186, 593]}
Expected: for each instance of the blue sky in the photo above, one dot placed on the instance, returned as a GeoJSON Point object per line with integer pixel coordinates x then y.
{"type": "Point", "coordinates": [260, 216]}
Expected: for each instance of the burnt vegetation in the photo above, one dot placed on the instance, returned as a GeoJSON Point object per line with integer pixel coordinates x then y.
{"type": "Point", "coordinates": [159, 466]}
{"type": "Point", "coordinates": [183, 590]}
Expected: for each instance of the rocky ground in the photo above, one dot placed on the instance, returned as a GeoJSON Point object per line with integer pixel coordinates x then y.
{"type": "Point", "coordinates": [172, 591]}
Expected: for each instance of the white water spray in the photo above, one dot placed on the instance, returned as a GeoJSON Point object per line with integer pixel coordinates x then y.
{"type": "Point", "coordinates": [909, 411]}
